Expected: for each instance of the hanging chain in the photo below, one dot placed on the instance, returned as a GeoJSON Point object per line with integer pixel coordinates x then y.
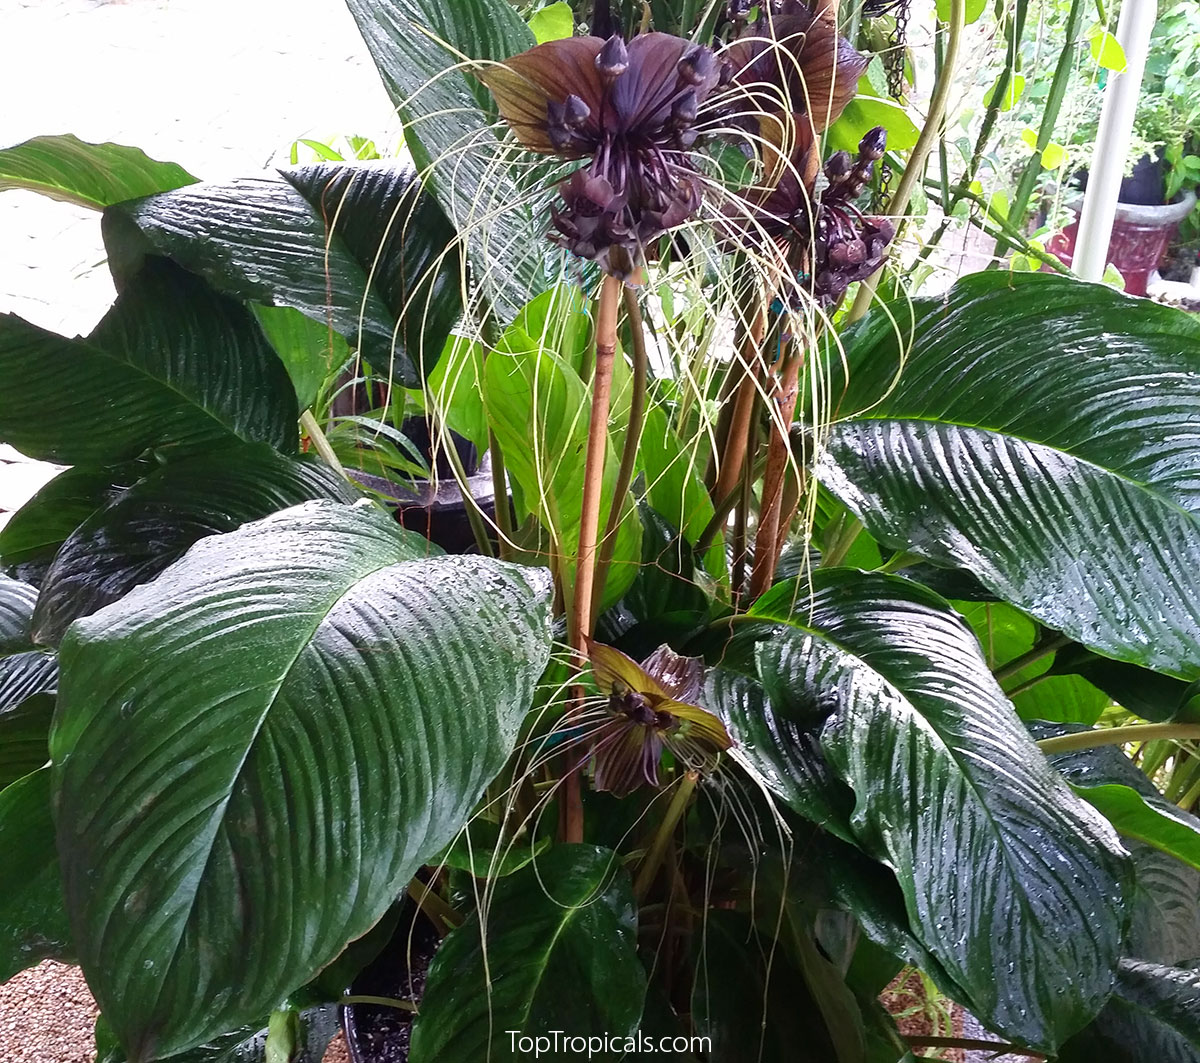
{"type": "Point", "coordinates": [893, 65]}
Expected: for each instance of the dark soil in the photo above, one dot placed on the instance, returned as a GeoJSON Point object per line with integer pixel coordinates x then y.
{"type": "Point", "coordinates": [376, 1034]}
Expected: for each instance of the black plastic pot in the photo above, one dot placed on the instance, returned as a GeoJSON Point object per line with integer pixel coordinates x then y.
{"type": "Point", "coordinates": [1146, 186]}
{"type": "Point", "coordinates": [378, 1034]}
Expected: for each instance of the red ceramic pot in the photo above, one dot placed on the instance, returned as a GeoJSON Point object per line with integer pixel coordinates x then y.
{"type": "Point", "coordinates": [1140, 237]}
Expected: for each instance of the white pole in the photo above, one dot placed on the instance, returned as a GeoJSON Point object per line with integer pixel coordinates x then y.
{"type": "Point", "coordinates": [1112, 140]}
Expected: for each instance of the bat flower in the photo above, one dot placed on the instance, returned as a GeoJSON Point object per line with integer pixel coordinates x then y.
{"type": "Point", "coordinates": [628, 110]}
{"type": "Point", "coordinates": [791, 62]}
{"type": "Point", "coordinates": [651, 709]}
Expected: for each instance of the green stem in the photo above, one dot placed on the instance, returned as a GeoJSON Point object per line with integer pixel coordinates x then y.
{"type": "Point", "coordinates": [441, 914]}
{"type": "Point", "coordinates": [848, 530]}
{"type": "Point", "coordinates": [1118, 736]}
{"type": "Point", "coordinates": [475, 515]}
{"type": "Point", "coordinates": [381, 1002]}
{"type": "Point", "coordinates": [998, 1047]}
{"type": "Point", "coordinates": [1018, 664]}
{"type": "Point", "coordinates": [1188, 801]}
{"type": "Point", "coordinates": [321, 444]}
{"type": "Point", "coordinates": [930, 132]}
{"type": "Point", "coordinates": [662, 837]}
{"type": "Point", "coordinates": [899, 560]}
{"type": "Point", "coordinates": [629, 452]}
{"type": "Point", "coordinates": [1050, 111]}
{"type": "Point", "coordinates": [504, 516]}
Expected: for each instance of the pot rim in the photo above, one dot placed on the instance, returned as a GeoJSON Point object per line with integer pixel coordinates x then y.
{"type": "Point", "coordinates": [1159, 215]}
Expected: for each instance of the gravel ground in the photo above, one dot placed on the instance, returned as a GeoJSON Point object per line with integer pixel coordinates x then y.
{"type": "Point", "coordinates": [47, 1014]}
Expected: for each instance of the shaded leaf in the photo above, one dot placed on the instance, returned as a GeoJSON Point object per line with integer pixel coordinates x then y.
{"type": "Point", "coordinates": [947, 778]}
{"type": "Point", "coordinates": [1044, 433]}
{"type": "Point", "coordinates": [310, 350]}
{"type": "Point", "coordinates": [560, 956]}
{"type": "Point", "coordinates": [88, 175]}
{"type": "Point", "coordinates": [33, 922]}
{"type": "Point", "coordinates": [1165, 927]}
{"type": "Point", "coordinates": [17, 600]}
{"type": "Point", "coordinates": [149, 526]}
{"type": "Point", "coordinates": [28, 682]}
{"type": "Point", "coordinates": [357, 247]}
{"type": "Point", "coordinates": [172, 364]}
{"type": "Point", "coordinates": [263, 744]}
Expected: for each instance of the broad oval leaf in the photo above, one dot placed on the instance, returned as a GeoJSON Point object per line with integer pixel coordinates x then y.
{"type": "Point", "coordinates": [950, 787]}
{"type": "Point", "coordinates": [172, 364]}
{"type": "Point", "coordinates": [559, 953]}
{"type": "Point", "coordinates": [254, 752]}
{"type": "Point", "coordinates": [89, 175]}
{"type": "Point", "coordinates": [33, 921]}
{"type": "Point", "coordinates": [149, 526]}
{"type": "Point", "coordinates": [1045, 434]}
{"type": "Point", "coordinates": [17, 600]}
{"type": "Point", "coordinates": [359, 248]}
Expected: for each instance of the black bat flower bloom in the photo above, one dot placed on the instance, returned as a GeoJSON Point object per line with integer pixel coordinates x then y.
{"type": "Point", "coordinates": [631, 111]}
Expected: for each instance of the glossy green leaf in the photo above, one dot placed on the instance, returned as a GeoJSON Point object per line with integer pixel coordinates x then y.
{"type": "Point", "coordinates": [456, 385]}
{"type": "Point", "coordinates": [150, 526]}
{"type": "Point", "coordinates": [1044, 433]}
{"type": "Point", "coordinates": [972, 10]}
{"type": "Point", "coordinates": [88, 175]}
{"type": "Point", "coordinates": [539, 409]}
{"type": "Point", "coordinates": [261, 746]}
{"type": "Point", "coordinates": [34, 533]}
{"type": "Point", "coordinates": [1165, 927]}
{"type": "Point", "coordinates": [447, 128]}
{"type": "Point", "coordinates": [1151, 695]}
{"type": "Point", "coordinates": [481, 850]}
{"type": "Point", "coordinates": [358, 247]}
{"type": "Point", "coordinates": [558, 953]}
{"type": "Point", "coordinates": [310, 350]}
{"type": "Point", "coordinates": [28, 682]}
{"type": "Point", "coordinates": [779, 753]}
{"type": "Point", "coordinates": [17, 602]}
{"type": "Point", "coordinates": [172, 364]}
{"type": "Point", "coordinates": [33, 922]}
{"type": "Point", "coordinates": [1109, 780]}
{"type": "Point", "coordinates": [950, 784]}
{"type": "Point", "coordinates": [553, 22]}
{"type": "Point", "coordinates": [864, 113]}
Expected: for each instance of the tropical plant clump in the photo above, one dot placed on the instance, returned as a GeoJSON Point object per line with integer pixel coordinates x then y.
{"type": "Point", "coordinates": [809, 633]}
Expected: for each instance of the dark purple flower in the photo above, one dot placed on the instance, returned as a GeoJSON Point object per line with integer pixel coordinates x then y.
{"type": "Point", "coordinates": [630, 109]}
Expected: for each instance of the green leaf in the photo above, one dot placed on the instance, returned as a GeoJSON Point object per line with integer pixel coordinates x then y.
{"type": "Point", "coordinates": [33, 922]}
{"type": "Point", "coordinates": [311, 351]}
{"type": "Point", "coordinates": [783, 756]}
{"type": "Point", "coordinates": [1044, 434]}
{"type": "Point", "coordinates": [35, 532]}
{"type": "Point", "coordinates": [149, 526]}
{"type": "Point", "coordinates": [358, 248]}
{"type": "Point", "coordinates": [864, 113]}
{"type": "Point", "coordinates": [28, 682]}
{"type": "Point", "coordinates": [1166, 914]}
{"type": "Point", "coordinates": [1105, 777]}
{"type": "Point", "coordinates": [950, 784]}
{"type": "Point", "coordinates": [483, 851]}
{"type": "Point", "coordinates": [1148, 694]}
{"type": "Point", "coordinates": [253, 754]}
{"type": "Point", "coordinates": [447, 128]}
{"type": "Point", "coordinates": [974, 8]}
{"type": "Point", "coordinates": [553, 22]}
{"type": "Point", "coordinates": [17, 601]}
{"type": "Point", "coordinates": [558, 954]}
{"type": "Point", "coordinates": [539, 409]}
{"type": "Point", "coordinates": [172, 364]}
{"type": "Point", "coordinates": [456, 385]}
{"type": "Point", "coordinates": [1106, 50]}
{"type": "Point", "coordinates": [88, 175]}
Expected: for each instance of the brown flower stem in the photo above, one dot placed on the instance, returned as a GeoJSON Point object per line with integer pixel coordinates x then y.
{"type": "Point", "coordinates": [652, 861]}
{"type": "Point", "coordinates": [579, 617]}
{"type": "Point", "coordinates": [633, 437]}
{"type": "Point", "coordinates": [779, 456]}
{"type": "Point", "coordinates": [742, 513]}
{"type": "Point", "coordinates": [734, 453]}
{"type": "Point", "coordinates": [580, 620]}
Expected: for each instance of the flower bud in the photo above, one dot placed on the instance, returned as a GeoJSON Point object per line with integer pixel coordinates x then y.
{"type": "Point", "coordinates": [613, 59]}
{"type": "Point", "coordinates": [696, 66]}
{"type": "Point", "coordinates": [575, 111]}
{"type": "Point", "coordinates": [684, 111]}
{"type": "Point", "coordinates": [871, 146]}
